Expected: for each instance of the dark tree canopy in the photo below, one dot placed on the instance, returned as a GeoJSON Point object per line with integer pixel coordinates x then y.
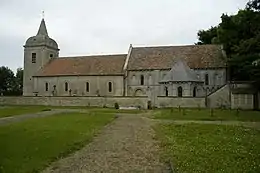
{"type": "Point", "coordinates": [10, 84]}
{"type": "Point", "coordinates": [240, 36]}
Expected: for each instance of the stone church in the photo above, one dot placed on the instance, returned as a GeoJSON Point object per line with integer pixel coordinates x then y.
{"type": "Point", "coordinates": [162, 71]}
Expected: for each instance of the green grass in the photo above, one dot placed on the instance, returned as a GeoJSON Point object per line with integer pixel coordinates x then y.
{"type": "Point", "coordinates": [31, 145]}
{"type": "Point", "coordinates": [206, 115]}
{"type": "Point", "coordinates": [18, 110]}
{"type": "Point", "coordinates": [210, 148]}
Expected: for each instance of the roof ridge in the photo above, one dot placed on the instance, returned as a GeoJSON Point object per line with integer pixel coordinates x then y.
{"type": "Point", "coordinates": [188, 45]}
{"type": "Point", "coordinates": [90, 56]}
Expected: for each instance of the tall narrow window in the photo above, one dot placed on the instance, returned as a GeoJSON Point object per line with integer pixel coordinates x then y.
{"type": "Point", "coordinates": [66, 86]}
{"type": "Point", "coordinates": [206, 79]}
{"type": "Point", "coordinates": [46, 86]}
{"type": "Point", "coordinates": [142, 79]}
{"type": "Point", "coordinates": [166, 92]}
{"type": "Point", "coordinates": [179, 91]}
{"type": "Point", "coordinates": [109, 86]}
{"type": "Point", "coordinates": [87, 86]}
{"type": "Point", "coordinates": [194, 91]}
{"type": "Point", "coordinates": [33, 57]}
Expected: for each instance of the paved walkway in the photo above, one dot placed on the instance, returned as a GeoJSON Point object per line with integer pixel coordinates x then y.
{"type": "Point", "coordinates": [17, 118]}
{"type": "Point", "coordinates": [125, 145]}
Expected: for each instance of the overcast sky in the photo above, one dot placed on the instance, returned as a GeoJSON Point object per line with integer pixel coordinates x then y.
{"type": "Point", "coordinates": [85, 27]}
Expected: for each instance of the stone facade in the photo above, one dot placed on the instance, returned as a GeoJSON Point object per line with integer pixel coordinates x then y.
{"type": "Point", "coordinates": [242, 101]}
{"type": "Point", "coordinates": [103, 101]}
{"type": "Point", "coordinates": [79, 86]}
{"type": "Point", "coordinates": [142, 72]}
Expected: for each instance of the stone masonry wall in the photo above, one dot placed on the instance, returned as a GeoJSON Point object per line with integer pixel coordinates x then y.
{"type": "Point", "coordinates": [188, 102]}
{"type": "Point", "coordinates": [220, 98]}
{"type": "Point", "coordinates": [102, 101]}
{"type": "Point", "coordinates": [242, 101]}
{"type": "Point", "coordinates": [75, 101]}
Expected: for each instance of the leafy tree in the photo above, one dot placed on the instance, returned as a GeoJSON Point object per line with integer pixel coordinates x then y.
{"type": "Point", "coordinates": [7, 79]}
{"type": "Point", "coordinates": [207, 36]}
{"type": "Point", "coordinates": [19, 80]}
{"type": "Point", "coordinates": [253, 5]}
{"type": "Point", "coordinates": [240, 36]}
{"type": "Point", "coordinates": [11, 84]}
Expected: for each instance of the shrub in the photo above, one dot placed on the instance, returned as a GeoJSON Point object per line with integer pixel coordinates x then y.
{"type": "Point", "coordinates": [116, 106]}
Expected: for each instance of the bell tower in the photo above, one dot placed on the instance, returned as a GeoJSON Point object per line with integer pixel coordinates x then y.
{"type": "Point", "coordinates": [38, 51]}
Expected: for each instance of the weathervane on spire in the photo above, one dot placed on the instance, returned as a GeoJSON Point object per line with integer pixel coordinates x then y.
{"type": "Point", "coordinates": [43, 14]}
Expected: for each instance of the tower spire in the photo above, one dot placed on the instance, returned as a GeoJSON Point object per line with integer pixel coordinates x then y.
{"type": "Point", "coordinates": [42, 29]}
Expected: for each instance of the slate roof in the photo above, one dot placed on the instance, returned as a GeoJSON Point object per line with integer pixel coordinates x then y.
{"type": "Point", "coordinates": [196, 56]}
{"type": "Point", "coordinates": [180, 72]}
{"type": "Point", "coordinates": [84, 65]}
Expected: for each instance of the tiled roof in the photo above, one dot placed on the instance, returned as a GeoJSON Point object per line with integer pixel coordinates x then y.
{"type": "Point", "coordinates": [85, 65]}
{"type": "Point", "coordinates": [196, 56]}
{"type": "Point", "coordinates": [180, 72]}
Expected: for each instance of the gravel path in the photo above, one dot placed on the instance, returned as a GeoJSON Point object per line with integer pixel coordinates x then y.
{"type": "Point", "coordinates": [18, 118]}
{"type": "Point", "coordinates": [125, 145]}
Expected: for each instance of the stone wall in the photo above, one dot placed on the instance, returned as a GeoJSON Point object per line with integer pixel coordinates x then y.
{"type": "Point", "coordinates": [242, 101]}
{"type": "Point", "coordinates": [77, 85]}
{"type": "Point", "coordinates": [75, 101]}
{"type": "Point", "coordinates": [103, 101]}
{"type": "Point", "coordinates": [220, 98]}
{"type": "Point", "coordinates": [188, 102]}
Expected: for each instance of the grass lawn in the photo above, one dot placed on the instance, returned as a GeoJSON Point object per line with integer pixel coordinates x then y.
{"type": "Point", "coordinates": [210, 148]}
{"type": "Point", "coordinates": [31, 145]}
{"type": "Point", "coordinates": [18, 110]}
{"type": "Point", "coordinates": [206, 115]}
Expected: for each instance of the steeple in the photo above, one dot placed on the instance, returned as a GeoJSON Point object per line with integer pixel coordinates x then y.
{"type": "Point", "coordinates": [42, 30]}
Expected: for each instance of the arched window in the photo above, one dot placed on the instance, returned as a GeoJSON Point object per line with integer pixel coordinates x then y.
{"type": "Point", "coordinates": [206, 79]}
{"type": "Point", "coordinates": [194, 91]}
{"type": "Point", "coordinates": [179, 91]}
{"type": "Point", "coordinates": [46, 86]}
{"type": "Point", "coordinates": [142, 79]}
{"type": "Point", "coordinates": [66, 86]}
{"type": "Point", "coordinates": [166, 92]}
{"type": "Point", "coordinates": [109, 86]}
{"type": "Point", "coordinates": [87, 86]}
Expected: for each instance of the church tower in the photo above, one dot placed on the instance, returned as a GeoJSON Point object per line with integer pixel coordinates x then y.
{"type": "Point", "coordinates": [38, 51]}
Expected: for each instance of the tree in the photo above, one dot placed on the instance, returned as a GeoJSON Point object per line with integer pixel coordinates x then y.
{"type": "Point", "coordinates": [253, 5]}
{"type": "Point", "coordinates": [11, 84]}
{"type": "Point", "coordinates": [7, 80]}
{"type": "Point", "coordinates": [19, 80]}
{"type": "Point", "coordinates": [207, 36]}
{"type": "Point", "coordinates": [240, 36]}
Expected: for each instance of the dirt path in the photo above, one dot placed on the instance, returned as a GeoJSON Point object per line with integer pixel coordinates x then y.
{"type": "Point", "coordinates": [126, 145]}
{"type": "Point", "coordinates": [18, 118]}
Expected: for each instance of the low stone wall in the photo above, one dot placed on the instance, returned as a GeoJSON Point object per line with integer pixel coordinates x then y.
{"type": "Point", "coordinates": [242, 101]}
{"type": "Point", "coordinates": [220, 98]}
{"type": "Point", "coordinates": [189, 102]}
{"type": "Point", "coordinates": [76, 101]}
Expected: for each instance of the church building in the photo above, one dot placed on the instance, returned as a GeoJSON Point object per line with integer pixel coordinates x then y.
{"type": "Point", "coordinates": [162, 71]}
